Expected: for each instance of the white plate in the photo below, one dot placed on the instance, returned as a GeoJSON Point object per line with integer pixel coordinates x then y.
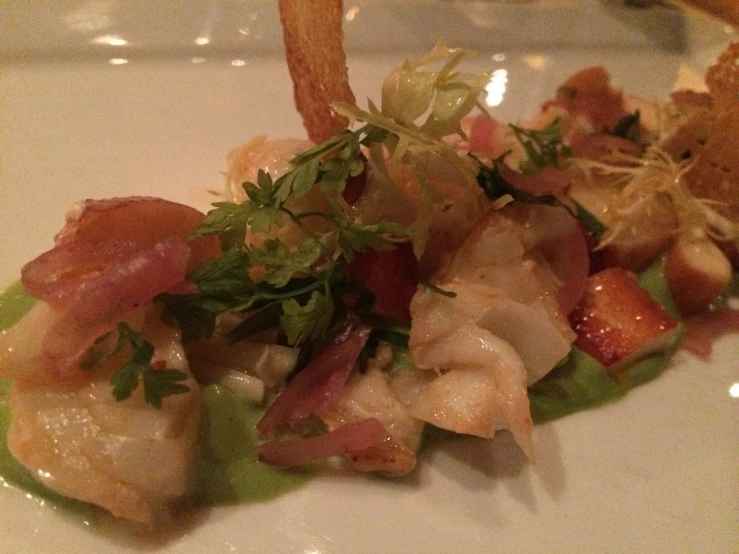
{"type": "Point", "coordinates": [655, 472]}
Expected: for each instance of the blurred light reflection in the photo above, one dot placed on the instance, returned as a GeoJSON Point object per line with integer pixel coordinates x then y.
{"type": "Point", "coordinates": [734, 390]}
{"type": "Point", "coordinates": [118, 61]}
{"type": "Point", "coordinates": [110, 40]}
{"type": "Point", "coordinates": [202, 41]}
{"type": "Point", "coordinates": [496, 88]}
{"type": "Point", "coordinates": [238, 63]}
{"type": "Point", "coordinates": [352, 13]}
{"type": "Point", "coordinates": [535, 61]}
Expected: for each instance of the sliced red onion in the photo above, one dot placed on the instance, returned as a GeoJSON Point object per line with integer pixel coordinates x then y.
{"type": "Point", "coordinates": [569, 258]}
{"type": "Point", "coordinates": [347, 440]}
{"type": "Point", "coordinates": [318, 385]}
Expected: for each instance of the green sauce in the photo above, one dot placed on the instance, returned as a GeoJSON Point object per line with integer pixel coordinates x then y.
{"type": "Point", "coordinates": [582, 382]}
{"type": "Point", "coordinates": [14, 304]}
{"type": "Point", "coordinates": [227, 472]}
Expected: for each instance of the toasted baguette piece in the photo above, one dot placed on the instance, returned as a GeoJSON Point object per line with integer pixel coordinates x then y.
{"type": "Point", "coordinates": [633, 254]}
{"type": "Point", "coordinates": [696, 271]}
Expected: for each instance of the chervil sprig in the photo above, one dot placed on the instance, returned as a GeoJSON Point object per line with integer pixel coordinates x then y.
{"type": "Point", "coordinates": [300, 287]}
{"type": "Point", "coordinates": [309, 321]}
{"type": "Point", "coordinates": [157, 383]}
{"type": "Point", "coordinates": [543, 147]}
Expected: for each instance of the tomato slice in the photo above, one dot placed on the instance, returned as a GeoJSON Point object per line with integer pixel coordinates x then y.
{"type": "Point", "coordinates": [391, 275]}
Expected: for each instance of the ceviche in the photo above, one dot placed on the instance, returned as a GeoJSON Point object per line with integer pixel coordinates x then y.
{"type": "Point", "coordinates": [414, 267]}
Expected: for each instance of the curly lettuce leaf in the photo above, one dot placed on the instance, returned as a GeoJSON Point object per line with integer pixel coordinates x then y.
{"type": "Point", "coordinates": [412, 90]}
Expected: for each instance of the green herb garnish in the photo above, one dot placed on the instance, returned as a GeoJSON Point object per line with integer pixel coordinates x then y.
{"type": "Point", "coordinates": [543, 148]}
{"type": "Point", "coordinates": [157, 383]}
{"type": "Point", "coordinates": [300, 288]}
{"type": "Point", "coordinates": [438, 290]}
{"type": "Point", "coordinates": [496, 186]}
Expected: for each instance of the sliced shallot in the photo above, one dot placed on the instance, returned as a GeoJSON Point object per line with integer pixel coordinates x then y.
{"type": "Point", "coordinates": [318, 385]}
{"type": "Point", "coordinates": [108, 297]}
{"type": "Point", "coordinates": [349, 439]}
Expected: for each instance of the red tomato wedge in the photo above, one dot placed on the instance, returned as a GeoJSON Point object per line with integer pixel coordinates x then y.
{"type": "Point", "coordinates": [391, 275]}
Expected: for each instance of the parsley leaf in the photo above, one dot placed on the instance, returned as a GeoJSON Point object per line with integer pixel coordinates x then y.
{"type": "Point", "coordinates": [265, 203]}
{"type": "Point", "coordinates": [224, 284]}
{"type": "Point", "coordinates": [161, 383]}
{"type": "Point", "coordinates": [226, 217]}
{"type": "Point", "coordinates": [309, 321]}
{"type": "Point", "coordinates": [305, 289]}
{"type": "Point", "coordinates": [300, 180]}
{"type": "Point", "coordinates": [329, 164]}
{"type": "Point", "coordinates": [223, 278]}
{"type": "Point", "coordinates": [157, 384]}
{"type": "Point", "coordinates": [310, 167]}
{"type": "Point", "coordinates": [357, 237]}
{"type": "Point", "coordinates": [266, 318]}
{"type": "Point", "coordinates": [283, 264]}
{"type": "Point", "coordinates": [260, 214]}
{"type": "Point", "coordinates": [336, 171]}
{"type": "Point", "coordinates": [188, 313]}
{"type": "Point", "coordinates": [543, 148]}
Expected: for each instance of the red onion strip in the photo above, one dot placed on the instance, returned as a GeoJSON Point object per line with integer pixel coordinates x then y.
{"type": "Point", "coordinates": [318, 385]}
{"type": "Point", "coordinates": [350, 438]}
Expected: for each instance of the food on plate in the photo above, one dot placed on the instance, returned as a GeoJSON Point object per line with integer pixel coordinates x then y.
{"type": "Point", "coordinates": [317, 67]}
{"type": "Point", "coordinates": [724, 10]}
{"type": "Point", "coordinates": [424, 267]}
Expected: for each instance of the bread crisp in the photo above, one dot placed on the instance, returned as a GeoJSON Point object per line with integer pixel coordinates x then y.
{"type": "Point", "coordinates": [709, 138]}
{"type": "Point", "coordinates": [315, 57]}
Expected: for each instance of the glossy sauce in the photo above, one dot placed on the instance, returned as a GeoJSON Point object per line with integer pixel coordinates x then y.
{"type": "Point", "coordinates": [228, 471]}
